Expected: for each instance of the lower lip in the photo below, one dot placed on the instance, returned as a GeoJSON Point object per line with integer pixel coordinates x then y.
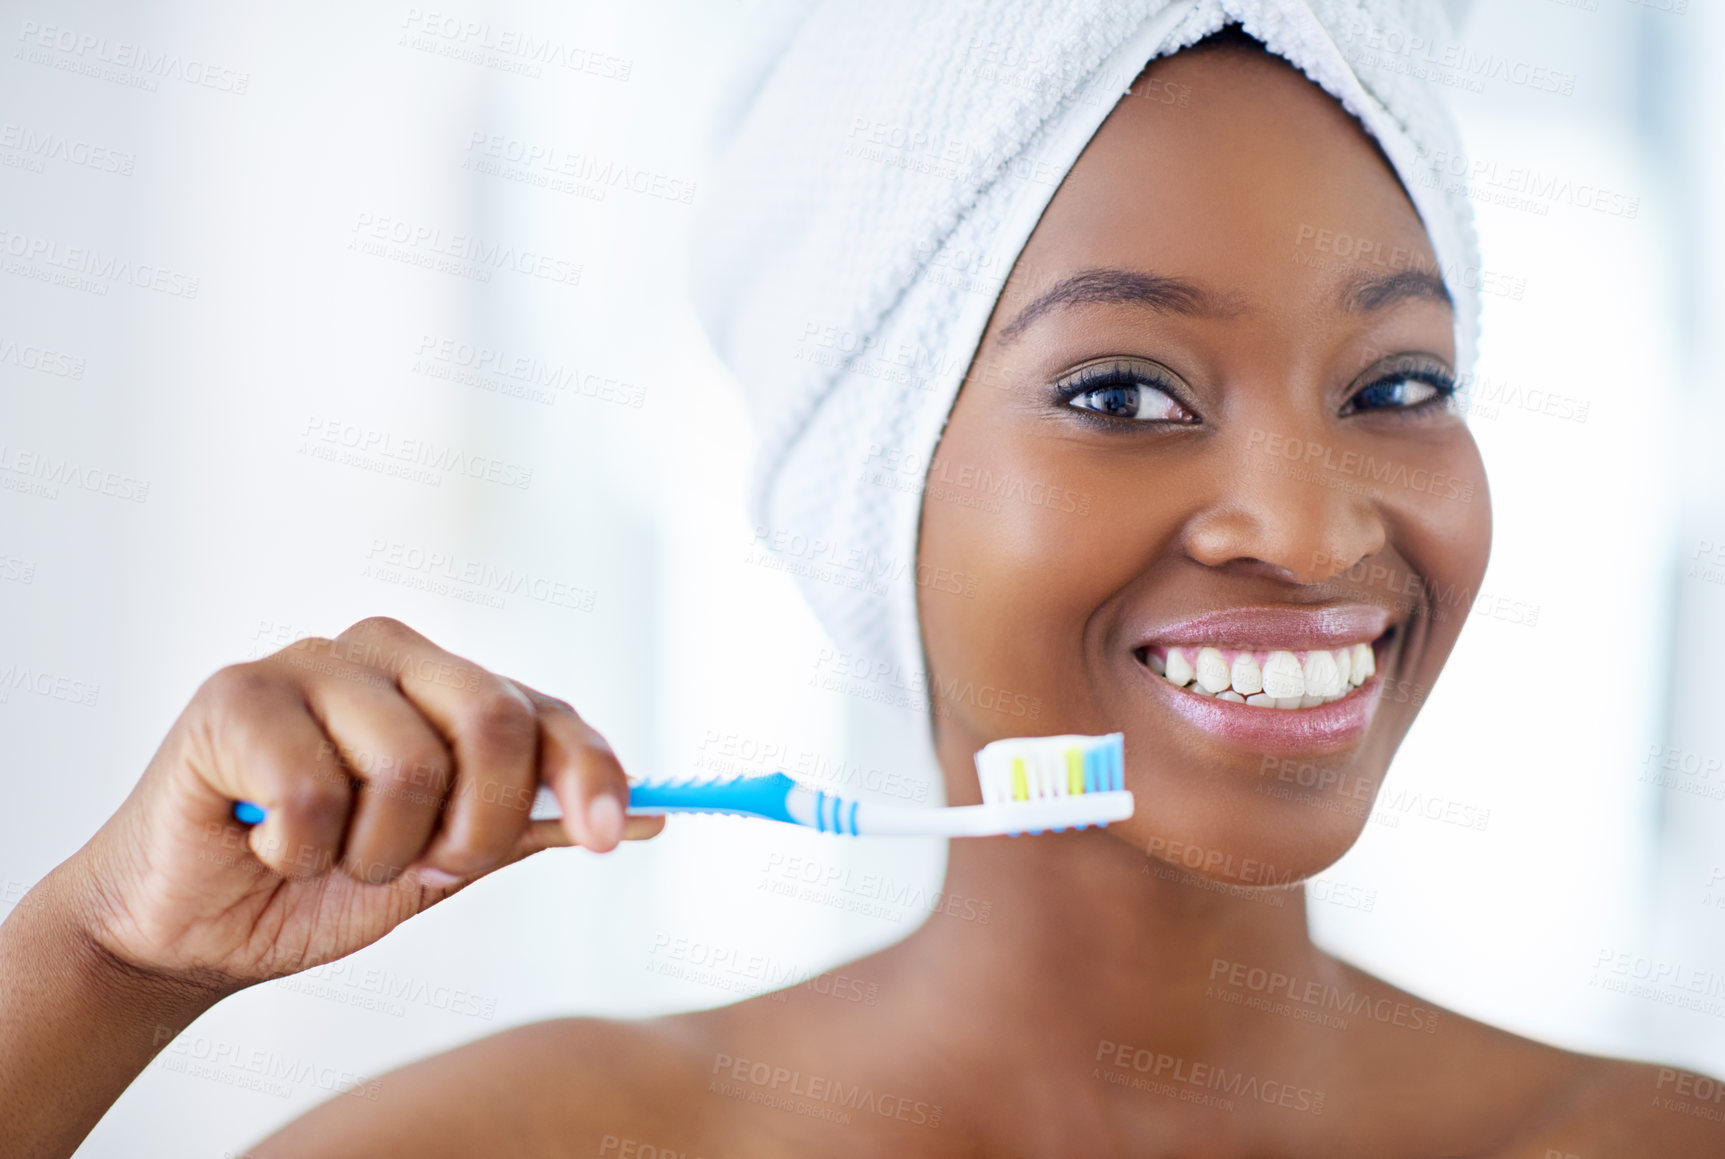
{"type": "Point", "coordinates": [1326, 727]}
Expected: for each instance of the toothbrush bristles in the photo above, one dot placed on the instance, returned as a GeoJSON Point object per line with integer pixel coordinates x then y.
{"type": "Point", "coordinates": [1022, 769]}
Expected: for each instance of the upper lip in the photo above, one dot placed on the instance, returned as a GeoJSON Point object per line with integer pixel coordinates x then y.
{"type": "Point", "coordinates": [1293, 629]}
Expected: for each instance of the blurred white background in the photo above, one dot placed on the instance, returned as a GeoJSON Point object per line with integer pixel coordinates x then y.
{"type": "Point", "coordinates": [260, 238]}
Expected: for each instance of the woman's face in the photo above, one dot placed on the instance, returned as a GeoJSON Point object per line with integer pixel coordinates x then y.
{"type": "Point", "coordinates": [1209, 423]}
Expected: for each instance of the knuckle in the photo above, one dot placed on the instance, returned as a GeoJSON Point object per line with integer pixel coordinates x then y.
{"type": "Point", "coordinates": [558, 706]}
{"type": "Point", "coordinates": [474, 854]}
{"type": "Point", "coordinates": [501, 719]}
{"type": "Point", "coordinates": [378, 644]}
{"type": "Point", "coordinates": [414, 776]}
{"type": "Point", "coordinates": [316, 801]}
{"type": "Point", "coordinates": [372, 627]}
{"type": "Point", "coordinates": [307, 659]}
{"type": "Point", "coordinates": [236, 688]}
{"type": "Point", "coordinates": [304, 644]}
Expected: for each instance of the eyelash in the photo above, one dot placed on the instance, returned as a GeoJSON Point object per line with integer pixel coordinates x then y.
{"type": "Point", "coordinates": [1443, 383]}
{"type": "Point", "coordinates": [1124, 374]}
{"type": "Point", "coordinates": [1119, 374]}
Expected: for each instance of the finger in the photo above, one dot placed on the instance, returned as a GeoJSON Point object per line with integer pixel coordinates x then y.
{"type": "Point", "coordinates": [401, 766]}
{"type": "Point", "coordinates": [254, 738]}
{"type": "Point", "coordinates": [578, 764]}
{"type": "Point", "coordinates": [543, 835]}
{"type": "Point", "coordinates": [642, 828]}
{"type": "Point", "coordinates": [489, 726]}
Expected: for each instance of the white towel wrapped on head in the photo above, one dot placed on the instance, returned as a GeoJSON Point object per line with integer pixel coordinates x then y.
{"type": "Point", "coordinates": [879, 186]}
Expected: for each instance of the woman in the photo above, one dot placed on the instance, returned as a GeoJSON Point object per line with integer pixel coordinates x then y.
{"type": "Point", "coordinates": [1171, 331]}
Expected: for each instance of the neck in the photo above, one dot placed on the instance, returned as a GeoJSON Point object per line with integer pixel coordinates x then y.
{"type": "Point", "coordinates": [1089, 936]}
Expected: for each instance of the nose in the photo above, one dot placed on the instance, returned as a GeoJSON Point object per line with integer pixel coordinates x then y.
{"type": "Point", "coordinates": [1273, 514]}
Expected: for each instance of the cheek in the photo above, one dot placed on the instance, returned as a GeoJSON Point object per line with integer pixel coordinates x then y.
{"type": "Point", "coordinates": [1447, 539]}
{"type": "Point", "coordinates": [1051, 536]}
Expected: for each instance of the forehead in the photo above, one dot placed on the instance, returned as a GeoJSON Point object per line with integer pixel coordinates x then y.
{"type": "Point", "coordinates": [1230, 169]}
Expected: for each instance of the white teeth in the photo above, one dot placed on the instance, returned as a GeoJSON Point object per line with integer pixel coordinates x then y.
{"type": "Point", "coordinates": [1284, 681]}
{"type": "Point", "coordinates": [1245, 675]}
{"type": "Point", "coordinates": [1282, 676]}
{"type": "Point", "coordinates": [1179, 672]}
{"type": "Point", "coordinates": [1212, 670]}
{"type": "Point", "coordinates": [1362, 664]}
{"type": "Point", "coordinates": [1322, 677]}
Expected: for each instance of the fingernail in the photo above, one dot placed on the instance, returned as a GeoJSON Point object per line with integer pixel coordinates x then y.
{"type": "Point", "coordinates": [605, 819]}
{"type": "Point", "coordinates": [435, 877]}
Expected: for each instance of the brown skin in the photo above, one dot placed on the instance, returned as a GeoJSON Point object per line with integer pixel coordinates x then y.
{"type": "Point", "coordinates": [1183, 517]}
{"type": "Point", "coordinates": [1010, 1028]}
{"type": "Point", "coordinates": [393, 773]}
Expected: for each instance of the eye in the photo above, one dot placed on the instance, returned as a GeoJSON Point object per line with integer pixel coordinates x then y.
{"type": "Point", "coordinates": [1405, 389]}
{"type": "Point", "coordinates": [1130, 389]}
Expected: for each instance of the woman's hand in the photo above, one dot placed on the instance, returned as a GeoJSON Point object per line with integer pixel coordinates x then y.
{"type": "Point", "coordinates": [392, 773]}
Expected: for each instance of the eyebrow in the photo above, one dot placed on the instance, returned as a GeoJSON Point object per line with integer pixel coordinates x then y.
{"type": "Point", "coordinates": [1366, 293]}
{"type": "Point", "coordinates": [1115, 287]}
{"type": "Point", "coordinates": [1370, 292]}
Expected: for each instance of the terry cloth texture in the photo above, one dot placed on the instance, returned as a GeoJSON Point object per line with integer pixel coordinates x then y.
{"type": "Point", "coordinates": [878, 185]}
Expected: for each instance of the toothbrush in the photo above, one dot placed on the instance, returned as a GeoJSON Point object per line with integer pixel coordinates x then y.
{"type": "Point", "coordinates": [1029, 785]}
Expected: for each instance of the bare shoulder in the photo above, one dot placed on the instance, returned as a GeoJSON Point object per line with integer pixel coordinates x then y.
{"type": "Point", "coordinates": [811, 1070]}
{"type": "Point", "coordinates": [747, 1079]}
{"type": "Point", "coordinates": [581, 1086]}
{"type": "Point", "coordinates": [1511, 1097]}
{"type": "Point", "coordinates": [1612, 1109]}
{"type": "Point", "coordinates": [1569, 1105]}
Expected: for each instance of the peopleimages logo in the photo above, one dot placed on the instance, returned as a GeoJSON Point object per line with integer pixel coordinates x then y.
{"type": "Point", "coordinates": [874, 894]}
{"type": "Point", "coordinates": [1311, 455]}
{"type": "Point", "coordinates": [1454, 64]}
{"type": "Point", "coordinates": [1482, 177]}
{"type": "Point", "coordinates": [1159, 1071]}
{"type": "Point", "coordinates": [48, 472]}
{"type": "Point", "coordinates": [40, 145]}
{"type": "Point", "coordinates": [1342, 250]}
{"type": "Point", "coordinates": [40, 359]}
{"type": "Point", "coordinates": [848, 565]}
{"type": "Point", "coordinates": [54, 685]}
{"type": "Point", "coordinates": [508, 49]}
{"type": "Point", "coordinates": [135, 65]}
{"type": "Point", "coordinates": [817, 1096]}
{"type": "Point", "coordinates": [325, 438]}
{"type": "Point", "coordinates": [966, 484]}
{"type": "Point", "coordinates": [89, 269]}
{"type": "Point", "coordinates": [464, 255]}
{"type": "Point", "coordinates": [1320, 997]}
{"type": "Point", "coordinates": [735, 754]}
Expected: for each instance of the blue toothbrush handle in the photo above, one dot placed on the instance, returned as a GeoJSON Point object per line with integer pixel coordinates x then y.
{"type": "Point", "coordinates": [764, 796]}
{"type": "Point", "coordinates": [755, 796]}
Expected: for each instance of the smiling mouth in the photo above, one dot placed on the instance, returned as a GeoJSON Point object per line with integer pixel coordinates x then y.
{"type": "Point", "coordinates": [1268, 679]}
{"type": "Point", "coordinates": [1261, 676]}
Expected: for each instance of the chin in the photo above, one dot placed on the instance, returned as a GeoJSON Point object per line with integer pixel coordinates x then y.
{"type": "Point", "coordinates": [1257, 738]}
